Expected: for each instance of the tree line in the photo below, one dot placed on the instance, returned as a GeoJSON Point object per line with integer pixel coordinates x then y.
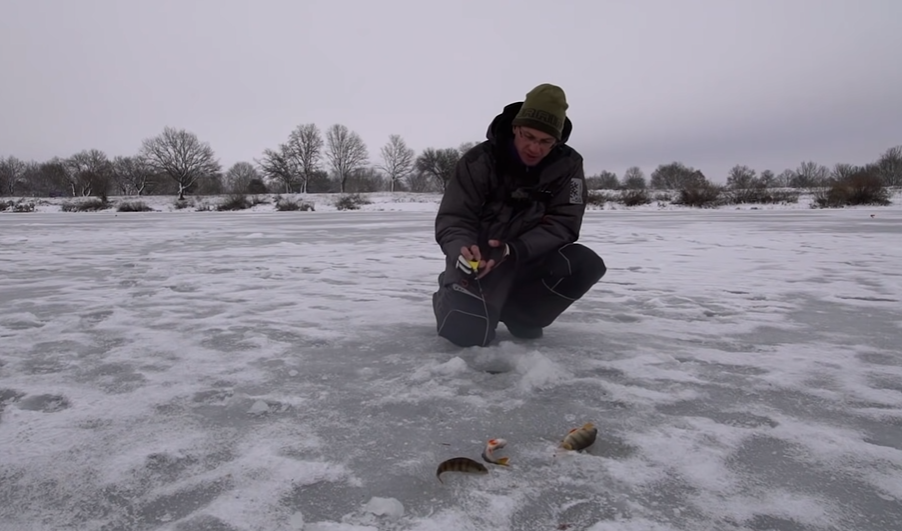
{"type": "Point", "coordinates": [177, 162]}
{"type": "Point", "coordinates": [808, 175]}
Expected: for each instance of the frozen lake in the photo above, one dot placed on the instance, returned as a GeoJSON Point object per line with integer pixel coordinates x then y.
{"type": "Point", "coordinates": [277, 371]}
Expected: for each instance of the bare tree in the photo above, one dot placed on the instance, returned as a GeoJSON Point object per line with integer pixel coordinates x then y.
{"type": "Point", "coordinates": [279, 165]}
{"type": "Point", "coordinates": [889, 166]}
{"type": "Point", "coordinates": [741, 177]}
{"type": "Point", "coordinates": [305, 145]}
{"type": "Point", "coordinates": [346, 152]}
{"type": "Point", "coordinates": [90, 172]}
{"type": "Point", "coordinates": [786, 179]}
{"type": "Point", "coordinates": [240, 176]}
{"type": "Point", "coordinates": [180, 155]}
{"type": "Point", "coordinates": [841, 171]}
{"type": "Point", "coordinates": [673, 176]}
{"type": "Point", "coordinates": [132, 175]}
{"type": "Point", "coordinates": [12, 174]}
{"type": "Point", "coordinates": [439, 164]}
{"type": "Point", "coordinates": [606, 180]}
{"type": "Point", "coordinates": [634, 179]}
{"type": "Point", "coordinates": [365, 180]}
{"type": "Point", "coordinates": [809, 175]}
{"type": "Point", "coordinates": [397, 160]}
{"type": "Point", "coordinates": [767, 179]}
{"type": "Point", "coordinates": [418, 182]}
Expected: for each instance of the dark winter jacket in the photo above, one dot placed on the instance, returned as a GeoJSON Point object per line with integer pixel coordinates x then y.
{"type": "Point", "coordinates": [495, 196]}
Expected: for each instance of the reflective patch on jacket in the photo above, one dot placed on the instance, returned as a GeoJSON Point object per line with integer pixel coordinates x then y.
{"type": "Point", "coordinates": [576, 191]}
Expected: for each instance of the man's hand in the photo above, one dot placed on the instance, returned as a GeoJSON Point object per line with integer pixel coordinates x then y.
{"type": "Point", "coordinates": [484, 267]}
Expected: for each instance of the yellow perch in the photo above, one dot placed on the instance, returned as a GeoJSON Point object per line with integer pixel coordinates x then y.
{"type": "Point", "coordinates": [488, 453]}
{"type": "Point", "coordinates": [460, 464]}
{"type": "Point", "coordinates": [580, 438]}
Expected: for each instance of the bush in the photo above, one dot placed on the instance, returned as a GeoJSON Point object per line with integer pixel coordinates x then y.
{"type": "Point", "coordinates": [599, 198]}
{"type": "Point", "coordinates": [17, 206]}
{"type": "Point", "coordinates": [133, 206]}
{"type": "Point", "coordinates": [351, 202]}
{"type": "Point", "coordinates": [634, 197]}
{"type": "Point", "coordinates": [88, 205]}
{"type": "Point", "coordinates": [702, 194]}
{"type": "Point", "coordinates": [760, 195]}
{"type": "Point", "coordinates": [860, 188]}
{"type": "Point", "coordinates": [235, 202]}
{"type": "Point", "coordinates": [290, 205]}
{"type": "Point", "coordinates": [181, 204]}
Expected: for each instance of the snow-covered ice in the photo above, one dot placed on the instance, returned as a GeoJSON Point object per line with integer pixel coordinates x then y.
{"type": "Point", "coordinates": [280, 371]}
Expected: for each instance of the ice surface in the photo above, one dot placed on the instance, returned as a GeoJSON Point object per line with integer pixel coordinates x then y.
{"type": "Point", "coordinates": [268, 371]}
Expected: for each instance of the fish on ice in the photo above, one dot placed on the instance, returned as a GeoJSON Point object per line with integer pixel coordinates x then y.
{"type": "Point", "coordinates": [580, 438]}
{"type": "Point", "coordinates": [488, 452]}
{"type": "Point", "coordinates": [460, 464]}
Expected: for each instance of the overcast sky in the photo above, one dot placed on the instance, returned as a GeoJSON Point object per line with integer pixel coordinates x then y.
{"type": "Point", "coordinates": [710, 83]}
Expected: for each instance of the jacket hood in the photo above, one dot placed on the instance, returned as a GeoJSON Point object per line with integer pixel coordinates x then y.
{"type": "Point", "coordinates": [501, 125]}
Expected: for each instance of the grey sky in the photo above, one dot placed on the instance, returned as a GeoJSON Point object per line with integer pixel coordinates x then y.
{"type": "Point", "coordinates": [711, 83]}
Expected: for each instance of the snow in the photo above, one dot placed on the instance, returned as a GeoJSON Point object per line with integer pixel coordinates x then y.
{"type": "Point", "coordinates": [262, 370]}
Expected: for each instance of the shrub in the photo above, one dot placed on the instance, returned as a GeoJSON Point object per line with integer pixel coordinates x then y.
{"type": "Point", "coordinates": [760, 194]}
{"type": "Point", "coordinates": [351, 202]}
{"type": "Point", "coordinates": [17, 206]}
{"type": "Point", "coordinates": [182, 204]}
{"type": "Point", "coordinates": [599, 198]}
{"type": "Point", "coordinates": [88, 205]}
{"type": "Point", "coordinates": [235, 202]}
{"type": "Point", "coordinates": [290, 205]}
{"type": "Point", "coordinates": [663, 197]}
{"type": "Point", "coordinates": [703, 194]}
{"type": "Point", "coordinates": [860, 188]}
{"type": "Point", "coordinates": [634, 197]}
{"type": "Point", "coordinates": [133, 206]}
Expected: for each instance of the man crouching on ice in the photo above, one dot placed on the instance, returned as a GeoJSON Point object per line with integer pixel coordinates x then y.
{"type": "Point", "coordinates": [515, 205]}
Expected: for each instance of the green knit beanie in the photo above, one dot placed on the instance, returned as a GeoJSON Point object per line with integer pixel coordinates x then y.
{"type": "Point", "coordinates": [545, 109]}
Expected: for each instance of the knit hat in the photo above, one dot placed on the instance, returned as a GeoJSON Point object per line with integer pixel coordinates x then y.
{"type": "Point", "coordinates": [545, 109]}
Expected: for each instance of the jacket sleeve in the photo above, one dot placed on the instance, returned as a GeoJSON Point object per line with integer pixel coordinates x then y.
{"type": "Point", "coordinates": [562, 221]}
{"type": "Point", "coordinates": [457, 221]}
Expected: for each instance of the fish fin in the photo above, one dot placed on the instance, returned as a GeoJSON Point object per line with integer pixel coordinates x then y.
{"type": "Point", "coordinates": [571, 431]}
{"type": "Point", "coordinates": [588, 426]}
{"type": "Point", "coordinates": [503, 461]}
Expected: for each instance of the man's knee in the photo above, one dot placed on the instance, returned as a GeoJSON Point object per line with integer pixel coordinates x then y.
{"type": "Point", "coordinates": [583, 263]}
{"type": "Point", "coordinates": [461, 317]}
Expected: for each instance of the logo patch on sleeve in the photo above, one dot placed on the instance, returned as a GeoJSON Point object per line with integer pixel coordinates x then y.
{"type": "Point", "coordinates": [576, 191]}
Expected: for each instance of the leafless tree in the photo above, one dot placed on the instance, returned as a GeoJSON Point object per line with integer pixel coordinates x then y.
{"type": "Point", "coordinates": [305, 144]}
{"type": "Point", "coordinates": [397, 160]}
{"type": "Point", "coordinates": [89, 172]}
{"type": "Point", "coordinates": [418, 182]}
{"type": "Point", "coordinates": [365, 180]}
{"type": "Point", "coordinates": [606, 180]}
{"type": "Point", "coordinates": [889, 166]}
{"type": "Point", "coordinates": [841, 171]}
{"type": "Point", "coordinates": [786, 179]}
{"type": "Point", "coordinates": [132, 175]}
{"type": "Point", "coordinates": [346, 152]}
{"type": "Point", "coordinates": [634, 179]}
{"type": "Point", "coordinates": [439, 164]}
{"type": "Point", "coordinates": [240, 176]}
{"type": "Point", "coordinates": [673, 176]}
{"type": "Point", "coordinates": [180, 155]}
{"type": "Point", "coordinates": [280, 166]}
{"type": "Point", "coordinates": [767, 179]}
{"type": "Point", "coordinates": [809, 175]}
{"type": "Point", "coordinates": [12, 174]}
{"type": "Point", "coordinates": [741, 177]}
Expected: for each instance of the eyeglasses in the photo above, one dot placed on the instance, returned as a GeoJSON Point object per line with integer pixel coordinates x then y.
{"type": "Point", "coordinates": [544, 143]}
